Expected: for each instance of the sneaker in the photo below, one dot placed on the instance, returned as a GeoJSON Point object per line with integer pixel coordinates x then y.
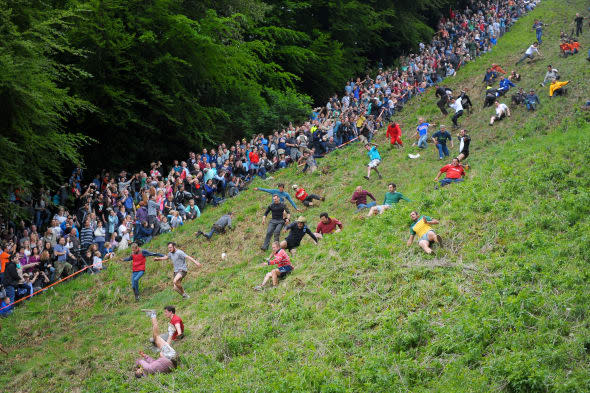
{"type": "Point", "coordinates": [199, 233]}
{"type": "Point", "coordinates": [436, 186]}
{"type": "Point", "coordinates": [149, 313]}
{"type": "Point", "coordinates": [136, 298]}
{"type": "Point", "coordinates": [367, 177]}
{"type": "Point", "coordinates": [542, 84]}
{"type": "Point", "coordinates": [439, 241]}
{"type": "Point", "coordinates": [262, 248]}
{"type": "Point", "coordinates": [185, 296]}
{"type": "Point", "coordinates": [258, 288]}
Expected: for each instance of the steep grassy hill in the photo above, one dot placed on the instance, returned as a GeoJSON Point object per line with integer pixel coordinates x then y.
{"type": "Point", "coordinates": [503, 307]}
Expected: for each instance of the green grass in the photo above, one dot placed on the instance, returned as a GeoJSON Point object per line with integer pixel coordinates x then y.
{"type": "Point", "coordinates": [504, 307]}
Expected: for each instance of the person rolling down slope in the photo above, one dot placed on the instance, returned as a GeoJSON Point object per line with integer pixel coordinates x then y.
{"type": "Point", "coordinates": [421, 227]}
{"type": "Point", "coordinates": [168, 356]}
{"type": "Point", "coordinates": [304, 197]}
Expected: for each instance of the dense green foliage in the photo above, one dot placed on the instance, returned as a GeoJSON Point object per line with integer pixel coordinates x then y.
{"type": "Point", "coordinates": [153, 79]}
{"type": "Point", "coordinates": [503, 307]}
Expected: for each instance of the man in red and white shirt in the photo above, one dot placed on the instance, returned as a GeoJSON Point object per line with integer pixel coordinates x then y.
{"type": "Point", "coordinates": [304, 197]}
{"type": "Point", "coordinates": [175, 327]}
{"type": "Point", "coordinates": [327, 225]}
{"type": "Point", "coordinates": [454, 173]}
{"type": "Point", "coordinates": [283, 262]}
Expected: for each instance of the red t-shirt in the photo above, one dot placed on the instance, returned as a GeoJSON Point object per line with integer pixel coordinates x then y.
{"type": "Point", "coordinates": [329, 227]}
{"type": "Point", "coordinates": [301, 194]}
{"type": "Point", "coordinates": [254, 157]}
{"type": "Point", "coordinates": [453, 172]}
{"type": "Point", "coordinates": [174, 320]}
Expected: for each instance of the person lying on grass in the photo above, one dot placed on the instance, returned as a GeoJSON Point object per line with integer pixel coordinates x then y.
{"type": "Point", "coordinates": [421, 227]}
{"type": "Point", "coordinates": [502, 111]}
{"type": "Point", "coordinates": [304, 197]}
{"type": "Point", "coordinates": [391, 197]}
{"type": "Point", "coordinates": [284, 267]}
{"type": "Point", "coordinates": [168, 357]}
{"type": "Point", "coordinates": [175, 327]}
{"type": "Point", "coordinates": [454, 173]}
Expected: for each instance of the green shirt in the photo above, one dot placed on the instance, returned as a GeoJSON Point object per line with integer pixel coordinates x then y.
{"type": "Point", "coordinates": [416, 222]}
{"type": "Point", "coordinates": [394, 197]}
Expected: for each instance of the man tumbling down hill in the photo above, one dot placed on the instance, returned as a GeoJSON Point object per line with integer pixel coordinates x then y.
{"type": "Point", "coordinates": [421, 227]}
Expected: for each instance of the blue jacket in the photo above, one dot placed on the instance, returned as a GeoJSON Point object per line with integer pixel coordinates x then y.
{"type": "Point", "coordinates": [282, 195]}
{"type": "Point", "coordinates": [505, 84]}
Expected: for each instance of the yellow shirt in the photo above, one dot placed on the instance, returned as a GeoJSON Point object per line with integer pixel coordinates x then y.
{"type": "Point", "coordinates": [556, 85]}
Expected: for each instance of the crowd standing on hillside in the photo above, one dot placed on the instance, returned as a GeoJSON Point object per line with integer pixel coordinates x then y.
{"type": "Point", "coordinates": [115, 212]}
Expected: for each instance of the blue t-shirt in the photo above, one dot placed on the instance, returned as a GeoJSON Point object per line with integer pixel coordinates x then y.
{"type": "Point", "coordinates": [423, 129]}
{"type": "Point", "coordinates": [374, 154]}
{"type": "Point", "coordinates": [59, 248]}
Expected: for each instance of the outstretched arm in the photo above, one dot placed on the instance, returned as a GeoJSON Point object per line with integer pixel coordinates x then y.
{"type": "Point", "coordinates": [193, 260]}
{"type": "Point", "coordinates": [410, 240]}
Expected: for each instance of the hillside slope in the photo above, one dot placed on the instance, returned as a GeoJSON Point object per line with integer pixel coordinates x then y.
{"type": "Point", "coordinates": [503, 307]}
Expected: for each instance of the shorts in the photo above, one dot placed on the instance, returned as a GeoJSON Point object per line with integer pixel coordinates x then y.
{"type": "Point", "coordinates": [381, 208]}
{"type": "Point", "coordinates": [374, 163]}
{"type": "Point", "coordinates": [498, 118]}
{"type": "Point", "coordinates": [181, 272]}
{"type": "Point", "coordinates": [465, 153]}
{"type": "Point", "coordinates": [285, 271]}
{"type": "Point", "coordinates": [168, 352]}
{"type": "Point", "coordinates": [425, 236]}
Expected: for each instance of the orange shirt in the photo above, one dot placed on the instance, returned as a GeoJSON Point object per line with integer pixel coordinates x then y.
{"type": "Point", "coordinates": [4, 258]}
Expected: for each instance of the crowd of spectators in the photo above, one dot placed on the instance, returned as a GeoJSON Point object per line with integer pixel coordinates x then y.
{"type": "Point", "coordinates": [81, 225]}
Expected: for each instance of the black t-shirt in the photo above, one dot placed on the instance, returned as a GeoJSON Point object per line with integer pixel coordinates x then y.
{"type": "Point", "coordinates": [466, 141]}
{"type": "Point", "coordinates": [579, 20]}
{"type": "Point", "coordinates": [276, 210]}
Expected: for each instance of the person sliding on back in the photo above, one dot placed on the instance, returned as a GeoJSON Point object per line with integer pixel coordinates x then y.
{"type": "Point", "coordinates": [304, 197]}
{"type": "Point", "coordinates": [284, 267]}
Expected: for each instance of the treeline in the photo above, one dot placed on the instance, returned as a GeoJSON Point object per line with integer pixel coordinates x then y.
{"type": "Point", "coordinates": [118, 83]}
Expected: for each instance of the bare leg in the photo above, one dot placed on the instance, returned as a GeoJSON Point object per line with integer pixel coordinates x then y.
{"type": "Point", "coordinates": [266, 278]}
{"type": "Point", "coordinates": [425, 246]}
{"type": "Point", "coordinates": [176, 284]}
{"type": "Point", "coordinates": [372, 211]}
{"type": "Point", "coordinates": [275, 277]}
{"type": "Point", "coordinates": [368, 171]}
{"type": "Point", "coordinates": [158, 341]}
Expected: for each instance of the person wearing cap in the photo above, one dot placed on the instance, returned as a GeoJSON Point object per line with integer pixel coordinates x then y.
{"type": "Point", "coordinates": [304, 197]}
{"type": "Point", "coordinates": [531, 100]}
{"type": "Point", "coordinates": [284, 267]}
{"type": "Point", "coordinates": [297, 230]}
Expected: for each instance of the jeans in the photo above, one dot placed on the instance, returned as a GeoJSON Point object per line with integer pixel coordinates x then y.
{"type": "Point", "coordinates": [274, 228]}
{"type": "Point", "coordinates": [10, 293]}
{"type": "Point", "coordinates": [524, 57]}
{"type": "Point", "coordinates": [422, 142]}
{"type": "Point", "coordinates": [456, 116]}
{"type": "Point", "coordinates": [531, 105]}
{"type": "Point", "coordinates": [443, 150]}
{"type": "Point", "coordinates": [447, 181]}
{"type": "Point", "coordinates": [362, 206]}
{"type": "Point", "coordinates": [539, 35]}
{"type": "Point", "coordinates": [135, 276]}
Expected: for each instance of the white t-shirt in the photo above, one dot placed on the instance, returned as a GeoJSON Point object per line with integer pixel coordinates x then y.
{"type": "Point", "coordinates": [97, 263]}
{"type": "Point", "coordinates": [457, 105]}
{"type": "Point", "coordinates": [500, 109]}
{"type": "Point", "coordinates": [531, 50]}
